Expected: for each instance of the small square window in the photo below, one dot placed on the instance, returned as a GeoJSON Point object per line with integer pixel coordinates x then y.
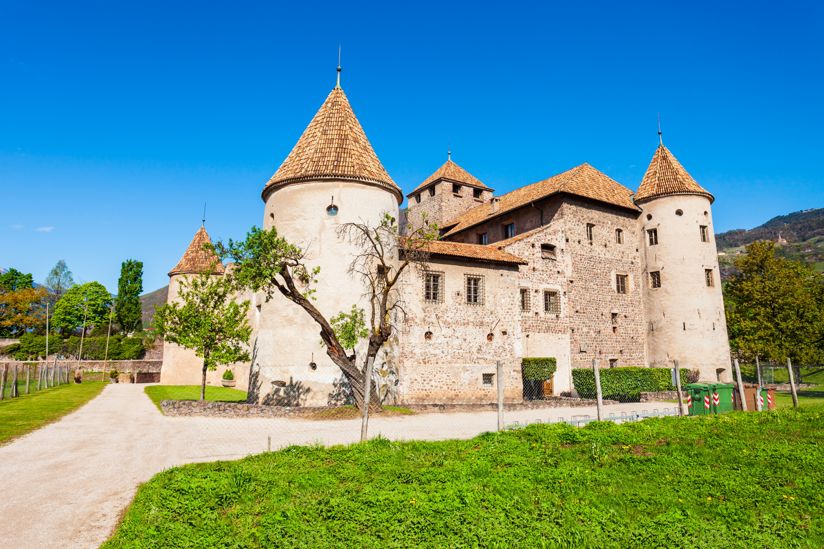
{"type": "Point", "coordinates": [483, 238]}
{"type": "Point", "coordinates": [525, 308]}
{"type": "Point", "coordinates": [476, 193]}
{"type": "Point", "coordinates": [655, 279]}
{"type": "Point", "coordinates": [705, 233]}
{"type": "Point", "coordinates": [619, 236]}
{"type": "Point", "coordinates": [652, 236]}
{"type": "Point", "coordinates": [548, 251]}
{"type": "Point", "coordinates": [613, 363]}
{"type": "Point", "coordinates": [432, 190]}
{"type": "Point", "coordinates": [590, 232]}
{"type": "Point", "coordinates": [488, 379]}
{"type": "Point", "coordinates": [474, 290]}
{"type": "Point", "coordinates": [552, 302]}
{"type": "Point", "coordinates": [709, 278]}
{"type": "Point", "coordinates": [621, 283]}
{"type": "Point", "coordinates": [456, 188]}
{"type": "Point", "coordinates": [509, 230]}
{"type": "Point", "coordinates": [433, 287]}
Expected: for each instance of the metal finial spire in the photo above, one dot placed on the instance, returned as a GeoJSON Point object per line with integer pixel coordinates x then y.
{"type": "Point", "coordinates": [660, 134]}
{"type": "Point", "coordinates": [338, 84]}
{"type": "Point", "coordinates": [448, 154]}
{"type": "Point", "coordinates": [203, 219]}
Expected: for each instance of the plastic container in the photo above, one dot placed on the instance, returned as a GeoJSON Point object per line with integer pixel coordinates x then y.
{"type": "Point", "coordinates": [722, 397]}
{"type": "Point", "coordinates": [700, 399]}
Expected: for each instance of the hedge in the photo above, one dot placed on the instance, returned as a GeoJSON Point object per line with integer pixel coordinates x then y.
{"type": "Point", "coordinates": [538, 369]}
{"type": "Point", "coordinates": [626, 384]}
{"type": "Point", "coordinates": [121, 347]}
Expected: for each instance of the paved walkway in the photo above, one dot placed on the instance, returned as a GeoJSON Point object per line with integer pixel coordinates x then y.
{"type": "Point", "coordinates": [67, 484]}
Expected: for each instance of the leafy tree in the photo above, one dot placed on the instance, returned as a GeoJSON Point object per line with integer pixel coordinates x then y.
{"type": "Point", "coordinates": [208, 321]}
{"type": "Point", "coordinates": [21, 310]}
{"type": "Point", "coordinates": [775, 307]}
{"type": "Point", "coordinates": [90, 301]}
{"type": "Point", "coordinates": [266, 262]}
{"type": "Point", "coordinates": [59, 279]}
{"type": "Point", "coordinates": [350, 327]}
{"type": "Point", "coordinates": [15, 280]}
{"type": "Point", "coordinates": [127, 308]}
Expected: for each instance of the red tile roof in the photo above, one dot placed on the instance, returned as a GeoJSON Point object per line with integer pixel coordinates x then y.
{"type": "Point", "coordinates": [198, 258]}
{"type": "Point", "coordinates": [450, 171]}
{"type": "Point", "coordinates": [666, 176]}
{"type": "Point", "coordinates": [476, 252]}
{"type": "Point", "coordinates": [333, 146]}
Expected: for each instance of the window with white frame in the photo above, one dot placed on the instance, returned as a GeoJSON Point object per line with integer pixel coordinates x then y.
{"type": "Point", "coordinates": [433, 287]}
{"type": "Point", "coordinates": [621, 283]}
{"type": "Point", "coordinates": [474, 289]}
{"type": "Point", "coordinates": [552, 302]}
{"type": "Point", "coordinates": [652, 236]}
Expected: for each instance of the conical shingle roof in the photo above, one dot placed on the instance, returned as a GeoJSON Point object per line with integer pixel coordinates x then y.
{"type": "Point", "coordinates": [199, 259]}
{"type": "Point", "coordinates": [666, 176]}
{"type": "Point", "coordinates": [450, 171]}
{"type": "Point", "coordinates": [333, 146]}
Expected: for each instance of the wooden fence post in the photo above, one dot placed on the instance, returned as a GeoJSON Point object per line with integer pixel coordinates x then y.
{"type": "Point", "coordinates": [792, 382]}
{"type": "Point", "coordinates": [28, 378]}
{"type": "Point", "coordinates": [678, 388]}
{"type": "Point", "coordinates": [740, 386]}
{"type": "Point", "coordinates": [367, 396]}
{"type": "Point", "coordinates": [14, 392]}
{"type": "Point", "coordinates": [499, 373]}
{"type": "Point", "coordinates": [3, 383]}
{"type": "Point", "coordinates": [599, 397]}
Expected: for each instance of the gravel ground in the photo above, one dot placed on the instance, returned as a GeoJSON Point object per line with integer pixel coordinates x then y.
{"type": "Point", "coordinates": [67, 484]}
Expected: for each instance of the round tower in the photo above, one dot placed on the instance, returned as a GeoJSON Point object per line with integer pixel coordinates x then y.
{"type": "Point", "coordinates": [682, 293]}
{"type": "Point", "coordinates": [331, 177]}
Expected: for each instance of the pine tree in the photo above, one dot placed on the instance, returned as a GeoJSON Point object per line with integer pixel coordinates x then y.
{"type": "Point", "coordinates": [127, 307]}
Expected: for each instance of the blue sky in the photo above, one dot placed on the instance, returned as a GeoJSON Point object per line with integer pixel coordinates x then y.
{"type": "Point", "coordinates": [118, 120]}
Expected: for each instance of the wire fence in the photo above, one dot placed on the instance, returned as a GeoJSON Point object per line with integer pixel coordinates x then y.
{"type": "Point", "coordinates": [22, 379]}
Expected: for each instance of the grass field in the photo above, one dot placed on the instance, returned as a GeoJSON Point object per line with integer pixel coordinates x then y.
{"type": "Point", "coordinates": [737, 480]}
{"type": "Point", "coordinates": [26, 413]}
{"type": "Point", "coordinates": [192, 392]}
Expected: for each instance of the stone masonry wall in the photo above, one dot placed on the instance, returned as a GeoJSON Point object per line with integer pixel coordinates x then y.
{"type": "Point", "coordinates": [444, 205]}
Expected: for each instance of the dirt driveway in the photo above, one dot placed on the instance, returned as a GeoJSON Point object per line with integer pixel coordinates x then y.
{"type": "Point", "coordinates": [66, 484]}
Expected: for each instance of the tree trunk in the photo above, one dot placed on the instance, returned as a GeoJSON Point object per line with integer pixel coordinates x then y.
{"type": "Point", "coordinates": [203, 382]}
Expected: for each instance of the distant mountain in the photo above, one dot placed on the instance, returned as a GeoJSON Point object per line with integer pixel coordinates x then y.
{"type": "Point", "coordinates": [149, 301]}
{"type": "Point", "coordinates": [799, 235]}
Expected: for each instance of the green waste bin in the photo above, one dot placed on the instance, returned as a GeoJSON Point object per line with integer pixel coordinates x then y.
{"type": "Point", "coordinates": [765, 402]}
{"type": "Point", "coordinates": [721, 399]}
{"type": "Point", "coordinates": [698, 392]}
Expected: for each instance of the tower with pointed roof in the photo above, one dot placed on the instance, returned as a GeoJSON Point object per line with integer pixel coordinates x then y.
{"type": "Point", "coordinates": [331, 177]}
{"type": "Point", "coordinates": [682, 292]}
{"type": "Point", "coordinates": [181, 366]}
{"type": "Point", "coordinates": [447, 193]}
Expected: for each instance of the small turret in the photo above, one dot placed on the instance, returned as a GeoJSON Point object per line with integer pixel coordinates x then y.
{"type": "Point", "coordinates": [683, 301]}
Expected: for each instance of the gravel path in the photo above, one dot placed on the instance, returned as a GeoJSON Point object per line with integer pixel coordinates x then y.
{"type": "Point", "coordinates": [66, 484]}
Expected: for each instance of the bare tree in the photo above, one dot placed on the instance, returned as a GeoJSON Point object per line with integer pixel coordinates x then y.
{"type": "Point", "coordinates": [266, 262]}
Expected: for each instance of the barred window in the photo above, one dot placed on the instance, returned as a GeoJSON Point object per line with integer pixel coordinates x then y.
{"type": "Point", "coordinates": [709, 278]}
{"type": "Point", "coordinates": [652, 235]}
{"type": "Point", "coordinates": [475, 289]}
{"type": "Point", "coordinates": [621, 283]}
{"type": "Point", "coordinates": [705, 233]}
{"type": "Point", "coordinates": [525, 308]}
{"type": "Point", "coordinates": [433, 287]}
{"type": "Point", "coordinates": [552, 302]}
{"type": "Point", "coordinates": [655, 279]}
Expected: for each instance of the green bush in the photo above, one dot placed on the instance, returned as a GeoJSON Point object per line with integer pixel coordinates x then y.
{"type": "Point", "coordinates": [94, 348]}
{"type": "Point", "coordinates": [626, 384]}
{"type": "Point", "coordinates": [228, 375]}
{"type": "Point", "coordinates": [538, 369]}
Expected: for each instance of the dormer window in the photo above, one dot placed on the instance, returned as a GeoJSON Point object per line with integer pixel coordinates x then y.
{"type": "Point", "coordinates": [483, 238]}
{"type": "Point", "coordinates": [509, 230]}
{"type": "Point", "coordinates": [476, 193]}
{"type": "Point", "coordinates": [456, 189]}
{"type": "Point", "coordinates": [548, 251]}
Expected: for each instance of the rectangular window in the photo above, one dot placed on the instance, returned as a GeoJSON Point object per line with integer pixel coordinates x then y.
{"type": "Point", "coordinates": [509, 230]}
{"type": "Point", "coordinates": [709, 278]}
{"type": "Point", "coordinates": [590, 232]}
{"type": "Point", "coordinates": [432, 190]}
{"type": "Point", "coordinates": [613, 363]}
{"type": "Point", "coordinates": [433, 287]}
{"type": "Point", "coordinates": [456, 188]}
{"type": "Point", "coordinates": [488, 379]}
{"type": "Point", "coordinates": [418, 198]}
{"type": "Point", "coordinates": [705, 233]}
{"type": "Point", "coordinates": [621, 283]}
{"type": "Point", "coordinates": [655, 279]}
{"type": "Point", "coordinates": [474, 289]}
{"type": "Point", "coordinates": [619, 236]}
{"type": "Point", "coordinates": [525, 300]}
{"type": "Point", "coordinates": [552, 302]}
{"type": "Point", "coordinates": [652, 235]}
{"type": "Point", "coordinates": [476, 193]}
{"type": "Point", "coordinates": [483, 238]}
{"type": "Point", "coordinates": [548, 251]}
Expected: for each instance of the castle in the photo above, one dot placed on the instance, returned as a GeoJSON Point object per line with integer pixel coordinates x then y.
{"type": "Point", "coordinates": [576, 267]}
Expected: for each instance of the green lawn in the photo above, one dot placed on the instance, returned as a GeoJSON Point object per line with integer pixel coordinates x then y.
{"type": "Point", "coordinates": [26, 413]}
{"type": "Point", "coordinates": [806, 398]}
{"type": "Point", "coordinates": [192, 392]}
{"type": "Point", "coordinates": [736, 480]}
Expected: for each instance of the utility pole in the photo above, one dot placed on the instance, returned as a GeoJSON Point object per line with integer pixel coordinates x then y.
{"type": "Point", "coordinates": [758, 404]}
{"type": "Point", "coordinates": [678, 388]}
{"type": "Point", "coordinates": [108, 335]}
{"type": "Point", "coordinates": [792, 382]}
{"type": "Point", "coordinates": [599, 402]}
{"type": "Point", "coordinates": [499, 373]}
{"type": "Point", "coordinates": [740, 386]}
{"type": "Point", "coordinates": [367, 398]}
{"type": "Point", "coordinates": [83, 333]}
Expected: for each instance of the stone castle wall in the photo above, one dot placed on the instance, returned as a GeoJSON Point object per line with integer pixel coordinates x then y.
{"type": "Point", "coordinates": [445, 205]}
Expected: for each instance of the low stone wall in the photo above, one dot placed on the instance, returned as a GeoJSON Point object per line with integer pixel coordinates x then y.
{"type": "Point", "coordinates": [662, 395]}
{"type": "Point", "coordinates": [146, 371]}
{"type": "Point", "coordinates": [229, 409]}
